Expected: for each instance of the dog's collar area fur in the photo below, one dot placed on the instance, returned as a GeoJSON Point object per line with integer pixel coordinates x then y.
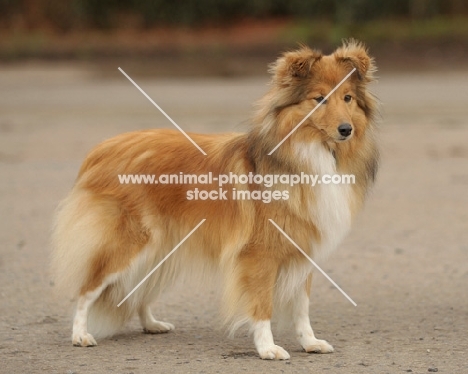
{"type": "Point", "coordinates": [331, 150]}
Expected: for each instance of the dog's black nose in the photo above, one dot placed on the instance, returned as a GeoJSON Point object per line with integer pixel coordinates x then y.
{"type": "Point", "coordinates": [345, 129]}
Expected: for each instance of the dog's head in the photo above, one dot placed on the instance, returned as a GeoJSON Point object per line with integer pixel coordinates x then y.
{"type": "Point", "coordinates": [302, 79]}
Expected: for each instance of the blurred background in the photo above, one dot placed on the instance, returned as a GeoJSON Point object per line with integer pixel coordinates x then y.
{"type": "Point", "coordinates": [233, 36]}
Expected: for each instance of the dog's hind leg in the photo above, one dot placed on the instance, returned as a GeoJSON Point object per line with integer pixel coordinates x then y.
{"type": "Point", "coordinates": [304, 333]}
{"type": "Point", "coordinates": [80, 336]}
{"type": "Point", "coordinates": [150, 324]}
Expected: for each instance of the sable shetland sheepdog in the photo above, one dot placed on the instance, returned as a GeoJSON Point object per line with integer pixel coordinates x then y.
{"type": "Point", "coordinates": [108, 236]}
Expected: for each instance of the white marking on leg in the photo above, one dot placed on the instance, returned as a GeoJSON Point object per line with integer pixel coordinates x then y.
{"type": "Point", "coordinates": [150, 324]}
{"type": "Point", "coordinates": [80, 336]}
{"type": "Point", "coordinates": [304, 332]}
{"type": "Point", "coordinates": [263, 339]}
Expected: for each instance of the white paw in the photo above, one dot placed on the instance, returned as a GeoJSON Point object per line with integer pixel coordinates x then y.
{"type": "Point", "coordinates": [83, 340]}
{"type": "Point", "coordinates": [317, 346]}
{"type": "Point", "coordinates": [158, 327]}
{"type": "Point", "coordinates": [273, 352]}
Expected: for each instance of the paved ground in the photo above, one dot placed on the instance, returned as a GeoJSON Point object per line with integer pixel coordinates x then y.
{"type": "Point", "coordinates": [405, 263]}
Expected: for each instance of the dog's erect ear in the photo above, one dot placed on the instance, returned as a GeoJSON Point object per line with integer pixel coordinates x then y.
{"type": "Point", "coordinates": [355, 54]}
{"type": "Point", "coordinates": [294, 66]}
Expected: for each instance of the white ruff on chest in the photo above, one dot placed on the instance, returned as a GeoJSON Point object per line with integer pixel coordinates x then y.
{"type": "Point", "coordinates": [330, 208]}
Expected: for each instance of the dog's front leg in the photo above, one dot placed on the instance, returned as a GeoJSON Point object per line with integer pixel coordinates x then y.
{"type": "Point", "coordinates": [263, 339]}
{"type": "Point", "coordinates": [304, 332]}
{"type": "Point", "coordinates": [258, 281]}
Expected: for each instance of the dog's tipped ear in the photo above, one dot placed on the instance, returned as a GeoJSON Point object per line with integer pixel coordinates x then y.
{"type": "Point", "coordinates": [355, 54]}
{"type": "Point", "coordinates": [293, 66]}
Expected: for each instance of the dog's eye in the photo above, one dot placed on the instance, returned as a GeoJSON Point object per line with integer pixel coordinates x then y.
{"type": "Point", "coordinates": [319, 99]}
{"type": "Point", "coordinates": [348, 98]}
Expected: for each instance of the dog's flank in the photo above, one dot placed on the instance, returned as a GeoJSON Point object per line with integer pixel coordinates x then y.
{"type": "Point", "coordinates": [108, 236]}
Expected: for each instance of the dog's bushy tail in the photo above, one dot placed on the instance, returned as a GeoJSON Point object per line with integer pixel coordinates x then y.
{"type": "Point", "coordinates": [77, 236]}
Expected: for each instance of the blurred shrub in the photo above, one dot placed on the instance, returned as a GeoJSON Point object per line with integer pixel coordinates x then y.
{"type": "Point", "coordinates": [71, 14]}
